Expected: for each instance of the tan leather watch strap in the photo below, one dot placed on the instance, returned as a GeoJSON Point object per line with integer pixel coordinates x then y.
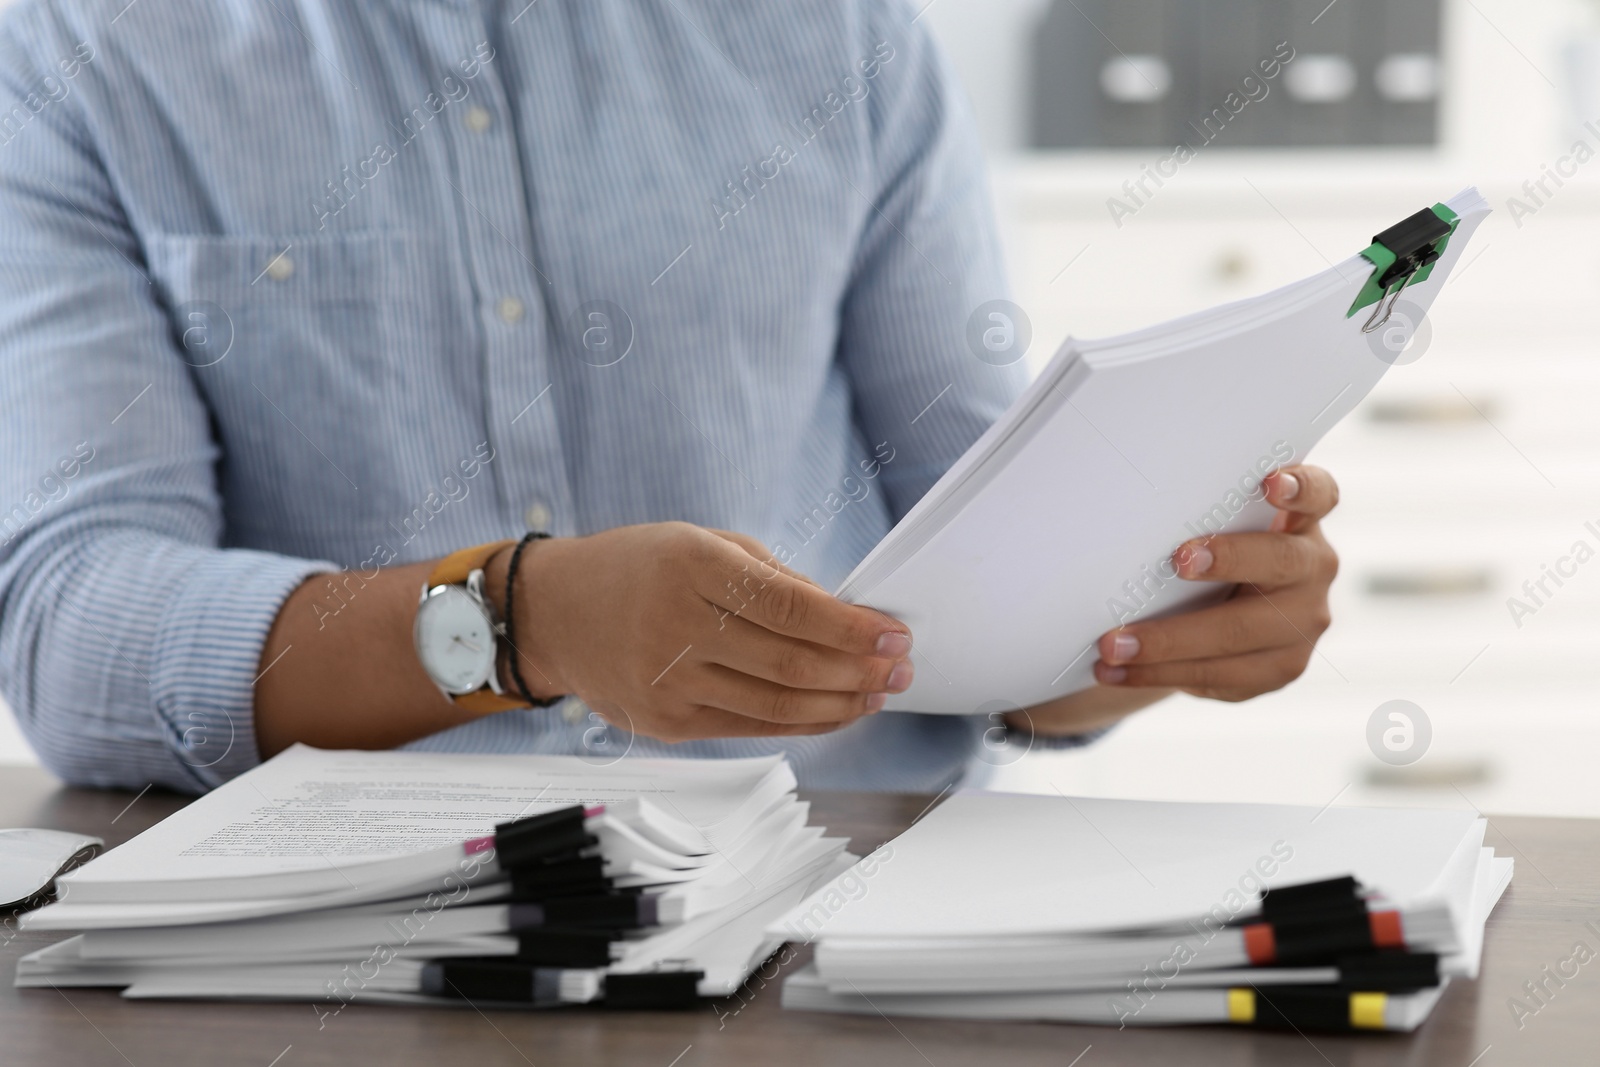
{"type": "Point", "coordinates": [454, 568]}
{"type": "Point", "coordinates": [487, 701]}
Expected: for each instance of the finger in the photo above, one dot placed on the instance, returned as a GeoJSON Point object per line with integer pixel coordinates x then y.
{"type": "Point", "coordinates": [760, 653]}
{"type": "Point", "coordinates": [1271, 560]}
{"type": "Point", "coordinates": [760, 552]}
{"type": "Point", "coordinates": [1221, 678]}
{"type": "Point", "coordinates": [786, 605]}
{"type": "Point", "coordinates": [1248, 624]}
{"type": "Point", "coordinates": [717, 686]}
{"type": "Point", "coordinates": [1304, 491]}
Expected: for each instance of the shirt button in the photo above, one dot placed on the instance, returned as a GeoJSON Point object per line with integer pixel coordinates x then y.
{"type": "Point", "coordinates": [538, 516]}
{"type": "Point", "coordinates": [280, 268]}
{"type": "Point", "coordinates": [509, 308]}
{"type": "Point", "coordinates": [478, 118]}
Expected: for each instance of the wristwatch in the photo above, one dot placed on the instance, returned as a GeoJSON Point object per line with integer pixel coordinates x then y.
{"type": "Point", "coordinates": [457, 635]}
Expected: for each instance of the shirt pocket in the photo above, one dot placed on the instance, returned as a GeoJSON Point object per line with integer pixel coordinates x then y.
{"type": "Point", "coordinates": [289, 342]}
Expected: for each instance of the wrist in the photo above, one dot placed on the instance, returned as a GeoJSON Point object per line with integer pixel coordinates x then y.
{"type": "Point", "coordinates": [527, 627]}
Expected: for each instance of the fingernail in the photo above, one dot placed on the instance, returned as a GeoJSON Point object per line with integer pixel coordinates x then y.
{"type": "Point", "coordinates": [876, 701]}
{"type": "Point", "coordinates": [900, 677]}
{"type": "Point", "coordinates": [894, 645]}
{"type": "Point", "coordinates": [1124, 647]}
{"type": "Point", "coordinates": [1112, 675]}
{"type": "Point", "coordinates": [1288, 486]}
{"type": "Point", "coordinates": [1194, 560]}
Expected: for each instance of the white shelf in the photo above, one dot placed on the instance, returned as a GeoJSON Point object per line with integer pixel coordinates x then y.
{"type": "Point", "coordinates": [1507, 752]}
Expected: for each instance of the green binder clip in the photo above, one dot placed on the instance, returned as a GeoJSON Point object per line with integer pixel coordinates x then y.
{"type": "Point", "coordinates": [1403, 254]}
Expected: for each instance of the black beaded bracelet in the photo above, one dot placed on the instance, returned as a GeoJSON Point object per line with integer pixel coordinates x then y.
{"type": "Point", "coordinates": [511, 627]}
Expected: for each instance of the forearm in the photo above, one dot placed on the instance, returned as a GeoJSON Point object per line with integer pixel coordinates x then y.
{"type": "Point", "coordinates": [1086, 711]}
{"type": "Point", "coordinates": [599, 617]}
{"type": "Point", "coordinates": [340, 669]}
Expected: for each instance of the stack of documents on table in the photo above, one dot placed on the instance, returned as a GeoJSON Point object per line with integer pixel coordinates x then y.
{"type": "Point", "coordinates": [1059, 523]}
{"type": "Point", "coordinates": [1125, 912]}
{"type": "Point", "coordinates": [539, 880]}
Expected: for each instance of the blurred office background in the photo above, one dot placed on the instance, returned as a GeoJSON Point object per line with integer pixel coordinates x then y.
{"type": "Point", "coordinates": [1476, 464]}
{"type": "Point", "coordinates": [1472, 468]}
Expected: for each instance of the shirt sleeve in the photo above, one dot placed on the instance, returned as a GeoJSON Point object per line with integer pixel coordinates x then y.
{"type": "Point", "coordinates": [129, 640]}
{"type": "Point", "coordinates": [1032, 742]}
{"type": "Point", "coordinates": [929, 266]}
{"type": "Point", "coordinates": [928, 261]}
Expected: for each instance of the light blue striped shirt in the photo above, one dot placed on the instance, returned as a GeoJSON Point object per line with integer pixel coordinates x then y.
{"type": "Point", "coordinates": [294, 286]}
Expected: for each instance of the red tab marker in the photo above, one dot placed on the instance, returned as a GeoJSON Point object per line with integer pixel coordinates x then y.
{"type": "Point", "coordinates": [1259, 944]}
{"type": "Point", "coordinates": [1387, 931]}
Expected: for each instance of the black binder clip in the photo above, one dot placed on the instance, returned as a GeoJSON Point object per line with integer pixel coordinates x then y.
{"type": "Point", "coordinates": [1402, 255]}
{"type": "Point", "coordinates": [654, 990]}
{"type": "Point", "coordinates": [1331, 896]}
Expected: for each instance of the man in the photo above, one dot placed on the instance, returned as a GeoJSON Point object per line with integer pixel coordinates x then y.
{"type": "Point", "coordinates": [306, 307]}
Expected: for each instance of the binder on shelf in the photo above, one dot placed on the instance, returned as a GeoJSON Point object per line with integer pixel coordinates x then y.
{"type": "Point", "coordinates": [1329, 101]}
{"type": "Point", "coordinates": [1140, 79]}
{"type": "Point", "coordinates": [1157, 73]}
{"type": "Point", "coordinates": [1223, 97]}
{"type": "Point", "coordinates": [1088, 93]}
{"type": "Point", "coordinates": [1407, 74]}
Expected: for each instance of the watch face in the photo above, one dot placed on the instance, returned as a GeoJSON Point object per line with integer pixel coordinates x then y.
{"type": "Point", "coordinates": [454, 640]}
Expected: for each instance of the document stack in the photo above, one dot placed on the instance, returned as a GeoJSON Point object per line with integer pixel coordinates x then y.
{"type": "Point", "coordinates": [418, 878]}
{"type": "Point", "coordinates": [1060, 522]}
{"type": "Point", "coordinates": [1135, 913]}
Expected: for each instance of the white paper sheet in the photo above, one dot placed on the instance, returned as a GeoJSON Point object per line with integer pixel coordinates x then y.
{"type": "Point", "coordinates": [1050, 864]}
{"type": "Point", "coordinates": [315, 810]}
{"type": "Point", "coordinates": [1058, 525]}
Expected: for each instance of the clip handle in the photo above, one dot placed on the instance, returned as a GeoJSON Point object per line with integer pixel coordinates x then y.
{"type": "Point", "coordinates": [1374, 323]}
{"type": "Point", "coordinates": [1402, 255]}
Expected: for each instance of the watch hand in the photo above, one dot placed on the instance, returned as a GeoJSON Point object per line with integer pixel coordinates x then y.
{"type": "Point", "coordinates": [462, 640]}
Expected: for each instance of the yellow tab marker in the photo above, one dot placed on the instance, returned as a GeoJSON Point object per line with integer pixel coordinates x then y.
{"type": "Point", "coordinates": [1366, 1010]}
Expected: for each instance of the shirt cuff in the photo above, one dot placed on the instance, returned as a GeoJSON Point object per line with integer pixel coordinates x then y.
{"type": "Point", "coordinates": [208, 656]}
{"type": "Point", "coordinates": [1032, 742]}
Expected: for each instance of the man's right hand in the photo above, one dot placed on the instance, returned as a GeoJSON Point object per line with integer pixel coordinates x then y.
{"type": "Point", "coordinates": [678, 632]}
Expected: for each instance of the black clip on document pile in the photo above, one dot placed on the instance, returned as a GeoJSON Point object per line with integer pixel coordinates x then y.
{"type": "Point", "coordinates": [567, 914]}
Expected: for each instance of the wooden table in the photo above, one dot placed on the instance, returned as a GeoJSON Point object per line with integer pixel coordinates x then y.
{"type": "Point", "coordinates": [1556, 891]}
